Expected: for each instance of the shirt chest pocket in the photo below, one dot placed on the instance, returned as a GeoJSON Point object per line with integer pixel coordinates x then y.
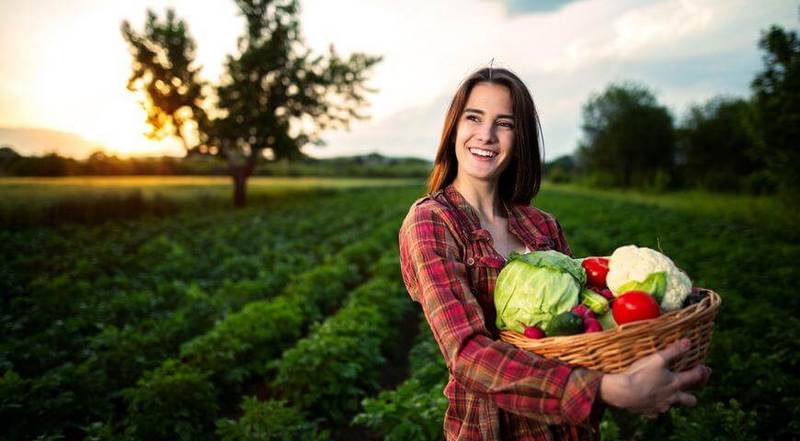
{"type": "Point", "coordinates": [483, 268]}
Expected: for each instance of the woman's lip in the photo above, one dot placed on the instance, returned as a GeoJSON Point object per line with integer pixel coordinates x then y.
{"type": "Point", "coordinates": [483, 158]}
{"type": "Point", "coordinates": [485, 150]}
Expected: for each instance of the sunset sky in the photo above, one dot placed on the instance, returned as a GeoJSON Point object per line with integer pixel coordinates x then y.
{"type": "Point", "coordinates": [64, 64]}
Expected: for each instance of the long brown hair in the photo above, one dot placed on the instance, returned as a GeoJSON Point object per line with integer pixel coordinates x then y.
{"type": "Point", "coordinates": [520, 181]}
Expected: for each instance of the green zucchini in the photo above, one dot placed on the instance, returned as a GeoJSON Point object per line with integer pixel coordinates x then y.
{"type": "Point", "coordinates": [566, 323]}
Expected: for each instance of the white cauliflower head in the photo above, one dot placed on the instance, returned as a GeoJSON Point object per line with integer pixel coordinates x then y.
{"type": "Point", "coordinates": [631, 263]}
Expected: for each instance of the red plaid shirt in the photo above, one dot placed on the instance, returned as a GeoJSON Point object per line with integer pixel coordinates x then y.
{"type": "Point", "coordinates": [496, 391]}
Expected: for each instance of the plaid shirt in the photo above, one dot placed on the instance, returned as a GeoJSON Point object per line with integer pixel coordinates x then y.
{"type": "Point", "coordinates": [495, 390]}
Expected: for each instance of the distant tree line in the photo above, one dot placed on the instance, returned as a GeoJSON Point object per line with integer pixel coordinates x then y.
{"type": "Point", "coordinates": [726, 144]}
{"type": "Point", "coordinates": [101, 164]}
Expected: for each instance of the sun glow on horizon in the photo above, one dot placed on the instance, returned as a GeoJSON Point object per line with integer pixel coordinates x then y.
{"type": "Point", "coordinates": [77, 84]}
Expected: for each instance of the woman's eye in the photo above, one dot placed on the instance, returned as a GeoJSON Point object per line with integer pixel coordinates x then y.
{"type": "Point", "coordinates": [473, 118]}
{"type": "Point", "coordinates": [506, 124]}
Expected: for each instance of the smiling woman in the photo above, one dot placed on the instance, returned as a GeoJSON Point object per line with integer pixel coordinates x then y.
{"type": "Point", "coordinates": [453, 244]}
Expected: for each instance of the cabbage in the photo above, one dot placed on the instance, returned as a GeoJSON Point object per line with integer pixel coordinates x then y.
{"type": "Point", "coordinates": [535, 287]}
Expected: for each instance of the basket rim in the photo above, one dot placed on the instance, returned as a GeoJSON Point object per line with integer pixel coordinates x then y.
{"type": "Point", "coordinates": [706, 307]}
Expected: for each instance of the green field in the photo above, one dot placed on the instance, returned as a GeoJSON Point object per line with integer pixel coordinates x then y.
{"type": "Point", "coordinates": [95, 199]}
{"type": "Point", "coordinates": [289, 318]}
{"type": "Point", "coordinates": [177, 187]}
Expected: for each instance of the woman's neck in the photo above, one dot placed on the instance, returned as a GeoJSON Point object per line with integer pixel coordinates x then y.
{"type": "Point", "coordinates": [482, 196]}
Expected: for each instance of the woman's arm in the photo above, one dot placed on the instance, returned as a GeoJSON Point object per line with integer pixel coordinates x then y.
{"type": "Point", "coordinates": [516, 380]}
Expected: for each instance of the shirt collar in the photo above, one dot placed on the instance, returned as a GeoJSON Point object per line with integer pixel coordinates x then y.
{"type": "Point", "coordinates": [518, 224]}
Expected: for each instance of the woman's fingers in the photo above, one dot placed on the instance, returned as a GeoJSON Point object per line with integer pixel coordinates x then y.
{"type": "Point", "coordinates": [704, 377]}
{"type": "Point", "coordinates": [692, 378]}
{"type": "Point", "coordinates": [673, 351]}
{"type": "Point", "coordinates": [662, 358]}
{"type": "Point", "coordinates": [684, 399]}
{"type": "Point", "coordinates": [655, 388]}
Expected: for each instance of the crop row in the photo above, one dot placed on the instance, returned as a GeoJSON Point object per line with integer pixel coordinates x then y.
{"type": "Point", "coordinates": [326, 374]}
{"type": "Point", "coordinates": [124, 281]}
{"type": "Point", "coordinates": [74, 393]}
{"type": "Point", "coordinates": [181, 398]}
{"type": "Point", "coordinates": [415, 408]}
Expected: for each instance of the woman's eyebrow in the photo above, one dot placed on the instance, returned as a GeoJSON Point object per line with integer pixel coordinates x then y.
{"type": "Point", "coordinates": [481, 112]}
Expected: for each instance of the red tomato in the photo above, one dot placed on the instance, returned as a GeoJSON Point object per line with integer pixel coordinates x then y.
{"type": "Point", "coordinates": [634, 306]}
{"type": "Point", "coordinates": [596, 270]}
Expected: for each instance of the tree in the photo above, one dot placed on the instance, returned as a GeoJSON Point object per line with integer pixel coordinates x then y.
{"type": "Point", "coordinates": [776, 93]}
{"type": "Point", "coordinates": [275, 96]}
{"type": "Point", "coordinates": [560, 169]}
{"type": "Point", "coordinates": [717, 145]}
{"type": "Point", "coordinates": [628, 136]}
{"type": "Point", "coordinates": [163, 69]}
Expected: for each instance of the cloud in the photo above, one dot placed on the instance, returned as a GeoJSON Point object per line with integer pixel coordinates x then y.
{"type": "Point", "coordinates": [686, 51]}
{"type": "Point", "coordinates": [413, 131]}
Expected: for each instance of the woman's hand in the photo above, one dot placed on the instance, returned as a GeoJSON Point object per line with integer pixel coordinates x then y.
{"type": "Point", "coordinates": [648, 387]}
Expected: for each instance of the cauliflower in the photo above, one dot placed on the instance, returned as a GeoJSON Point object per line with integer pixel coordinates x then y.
{"type": "Point", "coordinates": [631, 267]}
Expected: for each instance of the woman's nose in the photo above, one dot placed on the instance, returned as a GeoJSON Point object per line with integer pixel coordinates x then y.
{"type": "Point", "coordinates": [486, 133]}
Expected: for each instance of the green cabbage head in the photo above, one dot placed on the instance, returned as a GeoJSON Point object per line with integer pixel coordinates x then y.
{"type": "Point", "coordinates": [535, 287]}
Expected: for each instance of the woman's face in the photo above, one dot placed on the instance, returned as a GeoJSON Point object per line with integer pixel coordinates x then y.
{"type": "Point", "coordinates": [485, 133]}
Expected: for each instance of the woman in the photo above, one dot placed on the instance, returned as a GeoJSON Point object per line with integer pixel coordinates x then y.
{"type": "Point", "coordinates": [453, 244]}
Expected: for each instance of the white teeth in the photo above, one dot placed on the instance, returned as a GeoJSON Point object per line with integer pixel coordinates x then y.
{"type": "Point", "coordinates": [482, 152]}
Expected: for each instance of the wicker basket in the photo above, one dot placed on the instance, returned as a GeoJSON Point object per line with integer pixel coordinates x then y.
{"type": "Point", "coordinates": [615, 349]}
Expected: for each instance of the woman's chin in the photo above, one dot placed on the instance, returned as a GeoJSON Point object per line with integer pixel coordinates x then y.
{"type": "Point", "coordinates": [481, 174]}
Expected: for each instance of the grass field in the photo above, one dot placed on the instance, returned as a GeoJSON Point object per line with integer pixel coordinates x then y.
{"type": "Point", "coordinates": [764, 210]}
{"type": "Point", "coordinates": [46, 190]}
{"type": "Point", "coordinates": [208, 324]}
{"type": "Point", "coordinates": [93, 199]}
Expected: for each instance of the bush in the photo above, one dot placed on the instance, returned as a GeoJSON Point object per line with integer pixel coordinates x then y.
{"type": "Point", "coordinates": [270, 420]}
{"type": "Point", "coordinates": [174, 402]}
{"type": "Point", "coordinates": [415, 409]}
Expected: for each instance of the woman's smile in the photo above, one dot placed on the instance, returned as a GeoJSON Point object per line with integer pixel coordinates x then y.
{"type": "Point", "coordinates": [482, 154]}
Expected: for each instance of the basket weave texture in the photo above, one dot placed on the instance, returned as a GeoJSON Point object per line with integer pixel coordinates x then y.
{"type": "Point", "coordinates": [614, 350]}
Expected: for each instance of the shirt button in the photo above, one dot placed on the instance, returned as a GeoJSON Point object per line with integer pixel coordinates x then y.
{"type": "Point", "coordinates": [470, 261]}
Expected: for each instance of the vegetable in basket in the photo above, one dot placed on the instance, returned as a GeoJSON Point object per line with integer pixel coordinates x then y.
{"type": "Point", "coordinates": [566, 323]}
{"type": "Point", "coordinates": [596, 270]}
{"type": "Point", "coordinates": [594, 301]}
{"type": "Point", "coordinates": [534, 288]}
{"type": "Point", "coordinates": [634, 306]}
{"type": "Point", "coordinates": [631, 268]}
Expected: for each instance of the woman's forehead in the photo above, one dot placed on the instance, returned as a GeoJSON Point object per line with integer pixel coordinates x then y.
{"type": "Point", "coordinates": [491, 98]}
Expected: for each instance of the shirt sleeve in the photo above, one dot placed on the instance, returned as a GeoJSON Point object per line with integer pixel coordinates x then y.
{"type": "Point", "coordinates": [560, 239]}
{"type": "Point", "coordinates": [516, 380]}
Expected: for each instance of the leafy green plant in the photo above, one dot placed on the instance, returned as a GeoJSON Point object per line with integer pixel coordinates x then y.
{"type": "Point", "coordinates": [268, 421]}
{"type": "Point", "coordinates": [415, 409]}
